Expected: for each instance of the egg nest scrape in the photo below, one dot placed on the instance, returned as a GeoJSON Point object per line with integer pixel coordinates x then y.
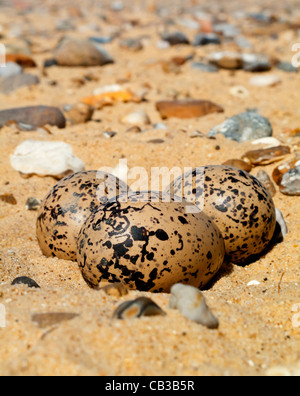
{"type": "Point", "coordinates": [149, 246]}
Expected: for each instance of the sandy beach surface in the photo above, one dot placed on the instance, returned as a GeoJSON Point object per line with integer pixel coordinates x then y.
{"type": "Point", "coordinates": [259, 330]}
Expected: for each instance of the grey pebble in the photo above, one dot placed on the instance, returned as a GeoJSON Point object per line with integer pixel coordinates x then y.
{"type": "Point", "coordinates": [33, 204]}
{"type": "Point", "coordinates": [206, 39]}
{"type": "Point", "coordinates": [226, 29]}
{"type": "Point", "coordinates": [256, 63]}
{"type": "Point", "coordinates": [265, 179]}
{"type": "Point", "coordinates": [14, 82]}
{"type": "Point", "coordinates": [134, 44]}
{"type": "Point", "coordinates": [280, 220]}
{"type": "Point", "coordinates": [192, 304]}
{"type": "Point", "coordinates": [24, 280]}
{"type": "Point", "coordinates": [175, 38]}
{"type": "Point", "coordinates": [204, 67]}
{"type": "Point", "coordinates": [290, 183]}
{"type": "Point", "coordinates": [244, 127]}
{"type": "Point", "coordinates": [10, 69]}
{"type": "Point", "coordinates": [287, 67]}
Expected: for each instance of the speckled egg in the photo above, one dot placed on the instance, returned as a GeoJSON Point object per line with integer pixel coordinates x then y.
{"type": "Point", "coordinates": [149, 246]}
{"type": "Point", "coordinates": [68, 205]}
{"type": "Point", "coordinates": [237, 202]}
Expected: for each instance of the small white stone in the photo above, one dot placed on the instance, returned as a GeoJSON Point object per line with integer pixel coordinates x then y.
{"type": "Point", "coordinates": [45, 159]}
{"type": "Point", "coordinates": [253, 283]}
{"type": "Point", "coordinates": [108, 89]}
{"type": "Point", "coordinates": [239, 92]}
{"type": "Point", "coordinates": [270, 80]}
{"type": "Point", "coordinates": [139, 117]}
{"type": "Point", "coordinates": [269, 142]}
{"type": "Point", "coordinates": [280, 220]}
{"type": "Point", "coordinates": [191, 303]}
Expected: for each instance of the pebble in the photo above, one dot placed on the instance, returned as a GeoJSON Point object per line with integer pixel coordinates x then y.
{"type": "Point", "coordinates": [263, 81]}
{"type": "Point", "coordinates": [265, 179]}
{"type": "Point", "coordinates": [253, 283]}
{"type": "Point", "coordinates": [266, 156]}
{"type": "Point", "coordinates": [21, 59]}
{"type": "Point", "coordinates": [14, 82]}
{"type": "Point", "coordinates": [282, 223]}
{"type": "Point", "coordinates": [175, 38]}
{"type": "Point", "coordinates": [156, 141]}
{"type": "Point", "coordinates": [244, 127]}
{"type": "Point", "coordinates": [36, 116]}
{"type": "Point", "coordinates": [109, 134]}
{"type": "Point", "coordinates": [187, 108]}
{"type": "Point", "coordinates": [206, 39]}
{"type": "Point", "coordinates": [290, 183]}
{"type": "Point", "coordinates": [135, 44]}
{"type": "Point", "coordinates": [74, 52]}
{"type": "Point", "coordinates": [268, 142]}
{"type": "Point", "coordinates": [33, 204]}
{"type": "Point", "coordinates": [256, 63]}
{"type": "Point", "coordinates": [226, 60]}
{"type": "Point", "coordinates": [44, 320]}
{"type": "Point", "coordinates": [79, 113]}
{"type": "Point", "coordinates": [142, 306]}
{"type": "Point", "coordinates": [239, 92]}
{"type": "Point", "coordinates": [10, 69]}
{"type": "Point", "coordinates": [9, 199]}
{"type": "Point", "coordinates": [24, 280]}
{"type": "Point", "coordinates": [139, 117]}
{"type": "Point", "coordinates": [204, 67]}
{"type": "Point", "coordinates": [115, 290]}
{"type": "Point", "coordinates": [191, 303]}
{"type": "Point", "coordinates": [287, 67]}
{"type": "Point", "coordinates": [44, 158]}
{"type": "Point", "coordinates": [240, 164]}
{"type": "Point", "coordinates": [109, 95]}
{"type": "Point", "coordinates": [101, 39]}
{"type": "Point", "coordinates": [226, 29]}
{"type": "Point", "coordinates": [287, 177]}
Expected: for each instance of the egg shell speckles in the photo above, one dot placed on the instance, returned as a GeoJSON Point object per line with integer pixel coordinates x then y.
{"type": "Point", "coordinates": [149, 246]}
{"type": "Point", "coordinates": [237, 202]}
{"type": "Point", "coordinates": [66, 208]}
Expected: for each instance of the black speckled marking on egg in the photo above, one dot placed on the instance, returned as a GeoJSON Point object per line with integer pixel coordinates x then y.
{"type": "Point", "coordinates": [67, 207]}
{"type": "Point", "coordinates": [237, 202]}
{"type": "Point", "coordinates": [130, 245]}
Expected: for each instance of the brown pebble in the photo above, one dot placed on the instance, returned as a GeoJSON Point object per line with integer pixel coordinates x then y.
{"type": "Point", "coordinates": [156, 141]}
{"type": "Point", "coordinates": [79, 113]}
{"type": "Point", "coordinates": [266, 156]}
{"type": "Point", "coordinates": [239, 164]}
{"type": "Point", "coordinates": [9, 199]}
{"type": "Point", "coordinates": [265, 179]}
{"type": "Point", "coordinates": [80, 52]}
{"type": "Point", "coordinates": [44, 320]}
{"type": "Point", "coordinates": [21, 59]}
{"type": "Point", "coordinates": [36, 116]}
{"type": "Point", "coordinates": [134, 129]}
{"type": "Point", "coordinates": [115, 290]}
{"type": "Point", "coordinates": [187, 108]}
